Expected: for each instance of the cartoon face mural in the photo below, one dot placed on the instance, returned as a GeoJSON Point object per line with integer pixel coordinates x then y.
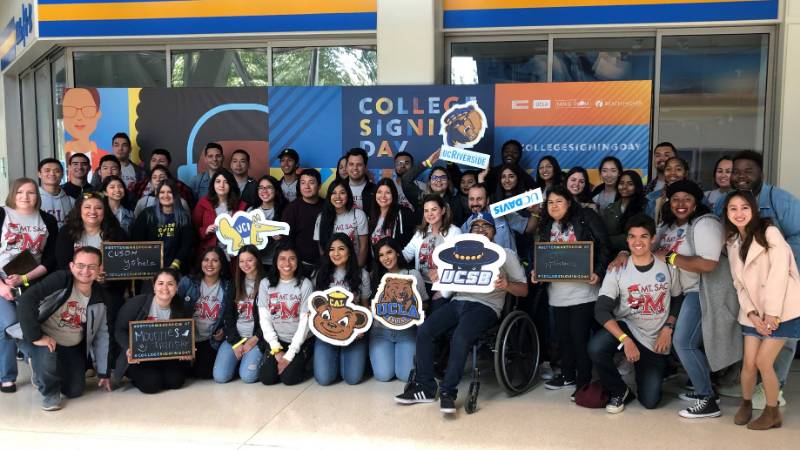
{"type": "Point", "coordinates": [335, 318]}
{"type": "Point", "coordinates": [245, 228]}
{"type": "Point", "coordinates": [468, 263]}
{"type": "Point", "coordinates": [397, 303]}
{"type": "Point", "coordinates": [463, 125]}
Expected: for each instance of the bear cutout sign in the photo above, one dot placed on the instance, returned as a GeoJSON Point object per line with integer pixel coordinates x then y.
{"type": "Point", "coordinates": [335, 318]}
{"type": "Point", "coordinates": [397, 303]}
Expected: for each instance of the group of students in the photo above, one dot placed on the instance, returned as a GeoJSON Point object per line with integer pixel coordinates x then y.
{"type": "Point", "coordinates": [669, 274]}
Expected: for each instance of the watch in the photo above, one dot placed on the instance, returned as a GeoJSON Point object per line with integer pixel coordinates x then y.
{"type": "Point", "coordinates": [670, 325]}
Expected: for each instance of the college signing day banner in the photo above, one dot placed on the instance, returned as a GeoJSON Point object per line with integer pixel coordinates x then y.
{"type": "Point", "coordinates": [578, 123]}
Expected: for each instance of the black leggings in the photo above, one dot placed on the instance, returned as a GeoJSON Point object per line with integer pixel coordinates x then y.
{"type": "Point", "coordinates": [152, 377]}
{"type": "Point", "coordinates": [204, 358]}
{"type": "Point", "coordinates": [296, 372]}
{"type": "Point", "coordinates": [574, 326]}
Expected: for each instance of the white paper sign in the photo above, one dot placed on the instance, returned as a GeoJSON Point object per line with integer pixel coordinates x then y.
{"type": "Point", "coordinates": [468, 263]}
{"type": "Point", "coordinates": [335, 318]}
{"type": "Point", "coordinates": [516, 203]}
{"type": "Point", "coordinates": [246, 228]}
{"type": "Point", "coordinates": [465, 157]}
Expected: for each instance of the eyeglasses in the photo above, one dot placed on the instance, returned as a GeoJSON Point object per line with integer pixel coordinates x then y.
{"type": "Point", "coordinates": [265, 188]}
{"type": "Point", "coordinates": [481, 227]}
{"type": "Point", "coordinates": [89, 112]}
{"type": "Point", "coordinates": [439, 178]}
{"type": "Point", "coordinates": [91, 267]}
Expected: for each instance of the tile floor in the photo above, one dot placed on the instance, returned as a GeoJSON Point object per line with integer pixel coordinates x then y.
{"type": "Point", "coordinates": [237, 416]}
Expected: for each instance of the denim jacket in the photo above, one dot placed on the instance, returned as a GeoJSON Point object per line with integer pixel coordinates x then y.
{"type": "Point", "coordinates": [189, 291]}
{"type": "Point", "coordinates": [782, 208]}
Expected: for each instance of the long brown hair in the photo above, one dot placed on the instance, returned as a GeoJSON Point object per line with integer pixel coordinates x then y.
{"type": "Point", "coordinates": [11, 199]}
{"type": "Point", "coordinates": [240, 280]}
{"type": "Point", "coordinates": [755, 229]}
{"type": "Point", "coordinates": [447, 218]}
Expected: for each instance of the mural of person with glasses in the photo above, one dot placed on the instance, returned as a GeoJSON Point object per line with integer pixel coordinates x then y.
{"type": "Point", "coordinates": [81, 114]}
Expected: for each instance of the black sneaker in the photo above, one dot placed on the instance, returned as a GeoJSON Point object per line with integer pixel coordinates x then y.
{"type": "Point", "coordinates": [558, 382]}
{"type": "Point", "coordinates": [616, 404]}
{"type": "Point", "coordinates": [704, 407]}
{"type": "Point", "coordinates": [414, 393]}
{"type": "Point", "coordinates": [692, 396]}
{"type": "Point", "coordinates": [572, 396]}
{"type": "Point", "coordinates": [447, 404]}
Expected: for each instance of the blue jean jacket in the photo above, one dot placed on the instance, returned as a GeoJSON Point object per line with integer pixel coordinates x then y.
{"type": "Point", "coordinates": [784, 210]}
{"type": "Point", "coordinates": [189, 291]}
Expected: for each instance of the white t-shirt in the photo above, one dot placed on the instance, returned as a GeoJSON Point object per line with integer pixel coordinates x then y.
{"type": "Point", "coordinates": [358, 191]}
{"type": "Point", "coordinates": [128, 175]}
{"type": "Point", "coordinates": [65, 325]}
{"type": "Point", "coordinates": [245, 322]}
{"type": "Point", "coordinates": [339, 280]}
{"type": "Point", "coordinates": [708, 242]}
{"type": "Point", "coordinates": [353, 223]}
{"type": "Point", "coordinates": [156, 312]}
{"type": "Point", "coordinates": [644, 298]}
{"type": "Point", "coordinates": [207, 310]}
{"type": "Point", "coordinates": [19, 233]}
{"type": "Point", "coordinates": [87, 240]}
{"type": "Point", "coordinates": [513, 270]}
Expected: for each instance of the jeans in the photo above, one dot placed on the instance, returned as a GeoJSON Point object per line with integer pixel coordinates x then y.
{"type": "Point", "coordinates": [688, 339]}
{"type": "Point", "coordinates": [8, 348]}
{"type": "Point", "coordinates": [468, 320]}
{"type": "Point", "coordinates": [226, 363]}
{"type": "Point", "coordinates": [783, 363]}
{"type": "Point", "coordinates": [294, 373]}
{"type": "Point", "coordinates": [649, 368]}
{"type": "Point", "coordinates": [391, 352]}
{"type": "Point", "coordinates": [331, 361]}
{"type": "Point", "coordinates": [63, 370]}
{"type": "Point", "coordinates": [574, 329]}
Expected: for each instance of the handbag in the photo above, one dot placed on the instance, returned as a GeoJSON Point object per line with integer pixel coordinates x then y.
{"type": "Point", "coordinates": [592, 395]}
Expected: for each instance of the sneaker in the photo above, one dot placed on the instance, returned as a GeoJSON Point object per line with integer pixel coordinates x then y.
{"type": "Point", "coordinates": [559, 382]}
{"type": "Point", "coordinates": [760, 398]}
{"type": "Point", "coordinates": [447, 404]}
{"type": "Point", "coordinates": [415, 394]}
{"type": "Point", "coordinates": [691, 396]}
{"type": "Point", "coordinates": [703, 407]}
{"type": "Point", "coordinates": [572, 396]}
{"type": "Point", "coordinates": [545, 371]}
{"type": "Point", "coordinates": [52, 403]}
{"type": "Point", "coordinates": [20, 356]}
{"type": "Point", "coordinates": [8, 387]}
{"type": "Point", "coordinates": [689, 386]}
{"type": "Point", "coordinates": [616, 404]}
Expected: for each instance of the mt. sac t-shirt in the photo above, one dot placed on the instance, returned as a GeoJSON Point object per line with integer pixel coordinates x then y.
{"type": "Point", "coordinates": [207, 310]}
{"type": "Point", "coordinates": [158, 312]}
{"type": "Point", "coordinates": [353, 223]}
{"type": "Point", "coordinates": [66, 324]}
{"type": "Point", "coordinates": [286, 304]}
{"type": "Point", "coordinates": [644, 298]}
{"type": "Point", "coordinates": [358, 191]}
{"type": "Point", "coordinates": [708, 242]}
{"type": "Point", "coordinates": [245, 322]}
{"type": "Point", "coordinates": [22, 232]}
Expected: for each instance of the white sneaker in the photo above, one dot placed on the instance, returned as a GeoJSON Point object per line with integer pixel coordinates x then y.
{"type": "Point", "coordinates": [545, 371]}
{"type": "Point", "coordinates": [760, 398]}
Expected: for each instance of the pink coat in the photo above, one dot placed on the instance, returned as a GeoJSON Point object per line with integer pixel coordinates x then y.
{"type": "Point", "coordinates": [768, 281]}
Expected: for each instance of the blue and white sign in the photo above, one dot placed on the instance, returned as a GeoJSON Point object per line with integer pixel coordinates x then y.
{"type": "Point", "coordinates": [521, 201]}
{"type": "Point", "coordinates": [465, 157]}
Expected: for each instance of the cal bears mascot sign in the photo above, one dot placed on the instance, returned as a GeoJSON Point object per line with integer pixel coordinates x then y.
{"type": "Point", "coordinates": [335, 318]}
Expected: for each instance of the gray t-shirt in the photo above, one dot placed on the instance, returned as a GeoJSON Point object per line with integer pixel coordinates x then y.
{"type": "Point", "coordinates": [207, 310]}
{"type": "Point", "coordinates": [358, 191]}
{"type": "Point", "coordinates": [268, 255]}
{"type": "Point", "coordinates": [87, 240]}
{"type": "Point", "coordinates": [513, 271]}
{"type": "Point", "coordinates": [289, 190]}
{"type": "Point", "coordinates": [339, 280]}
{"type": "Point", "coordinates": [644, 298]}
{"type": "Point", "coordinates": [245, 322]}
{"type": "Point", "coordinates": [708, 242]}
{"type": "Point", "coordinates": [65, 325]}
{"type": "Point", "coordinates": [569, 293]}
{"type": "Point", "coordinates": [19, 233]}
{"type": "Point", "coordinates": [603, 199]}
{"type": "Point", "coordinates": [353, 223]}
{"type": "Point", "coordinates": [286, 304]}
{"type": "Point", "coordinates": [58, 205]}
{"type": "Point", "coordinates": [158, 312]}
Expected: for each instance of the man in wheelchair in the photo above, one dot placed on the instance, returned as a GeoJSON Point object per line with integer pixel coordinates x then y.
{"type": "Point", "coordinates": [468, 315]}
{"type": "Point", "coordinates": [638, 307]}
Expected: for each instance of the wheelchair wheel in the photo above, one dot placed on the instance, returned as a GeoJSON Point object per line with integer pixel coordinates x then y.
{"type": "Point", "coordinates": [516, 357]}
{"type": "Point", "coordinates": [471, 405]}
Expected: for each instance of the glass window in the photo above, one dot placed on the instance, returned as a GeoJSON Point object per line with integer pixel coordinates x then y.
{"type": "Point", "coordinates": [713, 97]}
{"type": "Point", "coordinates": [604, 59]}
{"type": "Point", "coordinates": [143, 68]}
{"type": "Point", "coordinates": [59, 77]}
{"type": "Point", "coordinates": [220, 67]}
{"type": "Point", "coordinates": [498, 62]}
{"type": "Point", "coordinates": [44, 111]}
{"type": "Point", "coordinates": [324, 66]}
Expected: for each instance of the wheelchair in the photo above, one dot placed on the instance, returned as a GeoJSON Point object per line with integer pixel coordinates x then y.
{"type": "Point", "coordinates": [514, 344]}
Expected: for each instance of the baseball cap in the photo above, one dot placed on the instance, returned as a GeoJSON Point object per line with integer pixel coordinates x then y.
{"type": "Point", "coordinates": [484, 216]}
{"type": "Point", "coordinates": [290, 152]}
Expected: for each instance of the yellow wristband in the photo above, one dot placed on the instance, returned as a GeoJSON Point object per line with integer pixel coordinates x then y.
{"type": "Point", "coordinates": [275, 350]}
{"type": "Point", "coordinates": [671, 259]}
{"type": "Point", "coordinates": [622, 337]}
{"type": "Point", "coordinates": [427, 163]}
{"type": "Point", "coordinates": [25, 281]}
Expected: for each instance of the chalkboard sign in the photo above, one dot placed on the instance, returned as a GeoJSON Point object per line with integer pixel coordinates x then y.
{"type": "Point", "coordinates": [132, 260]}
{"type": "Point", "coordinates": [563, 261]}
{"type": "Point", "coordinates": [155, 340]}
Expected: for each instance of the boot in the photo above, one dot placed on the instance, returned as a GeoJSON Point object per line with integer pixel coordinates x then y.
{"type": "Point", "coordinates": [770, 418]}
{"type": "Point", "coordinates": [745, 413]}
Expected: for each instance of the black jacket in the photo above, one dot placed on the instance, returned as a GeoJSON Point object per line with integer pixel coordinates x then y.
{"type": "Point", "coordinates": [49, 251]}
{"type": "Point", "coordinates": [43, 299]}
{"type": "Point", "coordinates": [368, 194]}
{"type": "Point", "coordinates": [145, 228]}
{"type": "Point", "coordinates": [249, 194]}
{"type": "Point", "coordinates": [588, 226]}
{"type": "Point", "coordinates": [231, 315]}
